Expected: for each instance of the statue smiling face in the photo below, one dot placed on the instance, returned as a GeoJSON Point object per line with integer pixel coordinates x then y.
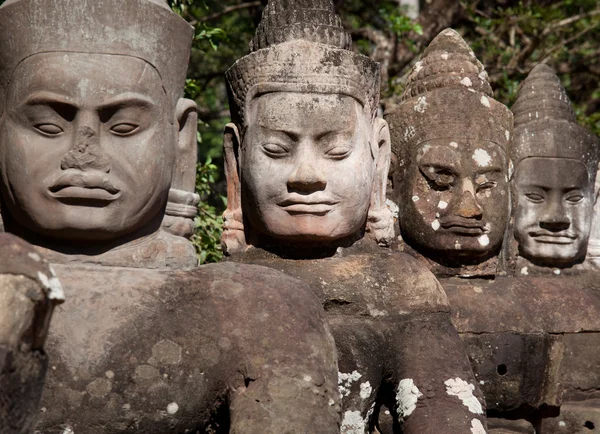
{"type": "Point", "coordinates": [450, 140]}
{"type": "Point", "coordinates": [93, 131]}
{"type": "Point", "coordinates": [306, 157]}
{"type": "Point", "coordinates": [555, 170]}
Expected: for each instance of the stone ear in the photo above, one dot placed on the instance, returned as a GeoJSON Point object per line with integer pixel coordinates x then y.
{"type": "Point", "coordinates": [233, 239]}
{"type": "Point", "coordinates": [182, 206]}
{"type": "Point", "coordinates": [380, 221]}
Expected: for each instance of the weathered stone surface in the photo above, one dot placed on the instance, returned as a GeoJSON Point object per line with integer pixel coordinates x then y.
{"type": "Point", "coordinates": [575, 418]}
{"type": "Point", "coordinates": [28, 294]}
{"type": "Point", "coordinates": [75, 181]}
{"type": "Point", "coordinates": [555, 161]}
{"type": "Point", "coordinates": [503, 426]}
{"type": "Point", "coordinates": [450, 166]}
{"type": "Point", "coordinates": [225, 347]}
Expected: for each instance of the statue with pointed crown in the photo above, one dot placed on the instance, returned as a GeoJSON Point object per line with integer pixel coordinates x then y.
{"type": "Point", "coordinates": [555, 164]}
{"type": "Point", "coordinates": [450, 174]}
{"type": "Point", "coordinates": [97, 146]}
{"type": "Point", "coordinates": [307, 162]}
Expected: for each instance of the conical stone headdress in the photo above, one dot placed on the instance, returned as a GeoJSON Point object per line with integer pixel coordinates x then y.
{"type": "Point", "coordinates": [448, 96]}
{"type": "Point", "coordinates": [301, 46]}
{"type": "Point", "coordinates": [545, 123]}
{"type": "Point", "coordinates": [146, 29]}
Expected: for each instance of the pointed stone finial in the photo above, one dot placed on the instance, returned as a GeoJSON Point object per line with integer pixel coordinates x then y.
{"type": "Point", "coordinates": [308, 20]}
{"type": "Point", "coordinates": [447, 62]}
{"type": "Point", "coordinates": [542, 96]}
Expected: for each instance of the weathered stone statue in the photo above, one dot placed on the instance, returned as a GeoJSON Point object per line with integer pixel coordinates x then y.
{"type": "Point", "coordinates": [450, 172]}
{"type": "Point", "coordinates": [29, 291]}
{"type": "Point", "coordinates": [95, 140]}
{"type": "Point", "coordinates": [307, 161]}
{"type": "Point", "coordinates": [556, 161]}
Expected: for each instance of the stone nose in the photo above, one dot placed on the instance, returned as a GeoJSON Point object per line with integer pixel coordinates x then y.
{"type": "Point", "coordinates": [468, 206]}
{"type": "Point", "coordinates": [554, 218]}
{"type": "Point", "coordinates": [306, 178]}
{"type": "Point", "coordinates": [85, 152]}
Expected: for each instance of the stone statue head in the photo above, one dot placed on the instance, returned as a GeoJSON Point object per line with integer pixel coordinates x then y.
{"type": "Point", "coordinates": [306, 156]}
{"type": "Point", "coordinates": [449, 142]}
{"type": "Point", "coordinates": [94, 132]}
{"type": "Point", "coordinates": [555, 161]}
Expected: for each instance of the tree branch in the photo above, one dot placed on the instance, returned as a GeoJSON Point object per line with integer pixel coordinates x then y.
{"type": "Point", "coordinates": [226, 11]}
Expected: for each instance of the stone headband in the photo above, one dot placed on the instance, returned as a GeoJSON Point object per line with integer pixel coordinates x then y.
{"type": "Point", "coordinates": [138, 28]}
{"type": "Point", "coordinates": [302, 66]}
{"type": "Point", "coordinates": [449, 113]}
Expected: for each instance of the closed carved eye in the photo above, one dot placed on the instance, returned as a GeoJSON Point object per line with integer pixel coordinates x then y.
{"type": "Point", "coordinates": [338, 153]}
{"type": "Point", "coordinates": [274, 150]}
{"type": "Point", "coordinates": [439, 179]}
{"type": "Point", "coordinates": [487, 185]}
{"type": "Point", "coordinates": [534, 197]}
{"type": "Point", "coordinates": [124, 129]}
{"type": "Point", "coordinates": [574, 198]}
{"type": "Point", "coordinates": [49, 129]}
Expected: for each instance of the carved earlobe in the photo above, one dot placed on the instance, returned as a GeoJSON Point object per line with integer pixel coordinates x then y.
{"type": "Point", "coordinates": [182, 206]}
{"type": "Point", "coordinates": [233, 239]}
{"type": "Point", "coordinates": [380, 222]}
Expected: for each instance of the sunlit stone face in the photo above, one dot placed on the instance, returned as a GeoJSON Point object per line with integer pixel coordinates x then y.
{"type": "Point", "coordinates": [307, 167]}
{"type": "Point", "coordinates": [554, 211]}
{"type": "Point", "coordinates": [86, 147]}
{"type": "Point", "coordinates": [454, 198]}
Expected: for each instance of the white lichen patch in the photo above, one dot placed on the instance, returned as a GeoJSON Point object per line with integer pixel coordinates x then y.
{"type": "Point", "coordinates": [435, 224]}
{"type": "Point", "coordinates": [68, 430]}
{"type": "Point", "coordinates": [406, 397]}
{"type": "Point", "coordinates": [466, 82]}
{"type": "Point", "coordinates": [418, 66]}
{"type": "Point", "coordinates": [525, 271]}
{"type": "Point", "coordinates": [482, 157]}
{"type": "Point", "coordinates": [453, 145]}
{"type": "Point", "coordinates": [507, 134]}
{"type": "Point", "coordinates": [464, 391]}
{"type": "Point", "coordinates": [483, 75]}
{"type": "Point", "coordinates": [485, 101]}
{"type": "Point", "coordinates": [394, 209]}
{"type": "Point", "coordinates": [442, 204]}
{"type": "Point", "coordinates": [307, 378]}
{"type": "Point", "coordinates": [345, 381]}
{"type": "Point", "coordinates": [415, 198]}
{"type": "Point", "coordinates": [353, 423]}
{"type": "Point", "coordinates": [172, 408]}
{"type": "Point", "coordinates": [376, 313]}
{"type": "Point", "coordinates": [457, 245]}
{"type": "Point", "coordinates": [409, 133]}
{"type": "Point", "coordinates": [53, 286]}
{"type": "Point", "coordinates": [484, 240]}
{"type": "Point", "coordinates": [477, 427]}
{"type": "Point", "coordinates": [445, 56]}
{"type": "Point", "coordinates": [421, 104]}
{"type": "Point", "coordinates": [34, 256]}
{"type": "Point", "coordinates": [556, 271]}
{"type": "Point", "coordinates": [365, 390]}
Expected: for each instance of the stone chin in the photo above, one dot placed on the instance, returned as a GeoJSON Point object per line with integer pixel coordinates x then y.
{"type": "Point", "coordinates": [553, 254]}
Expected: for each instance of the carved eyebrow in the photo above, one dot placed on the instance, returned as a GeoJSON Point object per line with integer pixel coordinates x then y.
{"type": "Point", "coordinates": [292, 135]}
{"type": "Point", "coordinates": [48, 98]}
{"type": "Point", "coordinates": [492, 169]}
{"type": "Point", "coordinates": [128, 99]}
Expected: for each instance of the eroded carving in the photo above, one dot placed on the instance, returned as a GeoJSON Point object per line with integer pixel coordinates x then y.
{"type": "Point", "coordinates": [451, 165]}
{"type": "Point", "coordinates": [307, 161]}
{"type": "Point", "coordinates": [555, 162]}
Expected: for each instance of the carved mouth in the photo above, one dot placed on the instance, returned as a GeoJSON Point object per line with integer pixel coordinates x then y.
{"type": "Point", "coordinates": [553, 238]}
{"type": "Point", "coordinates": [310, 207]}
{"type": "Point", "coordinates": [464, 227]}
{"type": "Point", "coordinates": [83, 187]}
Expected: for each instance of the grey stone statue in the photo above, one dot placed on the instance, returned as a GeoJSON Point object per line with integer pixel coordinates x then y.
{"type": "Point", "coordinates": [450, 171]}
{"type": "Point", "coordinates": [96, 146]}
{"type": "Point", "coordinates": [555, 161]}
{"type": "Point", "coordinates": [307, 161]}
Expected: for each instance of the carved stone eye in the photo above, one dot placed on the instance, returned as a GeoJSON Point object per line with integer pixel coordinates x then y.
{"type": "Point", "coordinates": [275, 150]}
{"type": "Point", "coordinates": [49, 129]}
{"type": "Point", "coordinates": [574, 198]}
{"type": "Point", "coordinates": [124, 129]}
{"type": "Point", "coordinates": [534, 197]}
{"type": "Point", "coordinates": [338, 153]}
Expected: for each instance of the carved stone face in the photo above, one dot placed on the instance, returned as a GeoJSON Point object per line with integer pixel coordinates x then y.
{"type": "Point", "coordinates": [307, 166]}
{"type": "Point", "coordinates": [86, 146]}
{"type": "Point", "coordinates": [454, 198]}
{"type": "Point", "coordinates": [554, 211]}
